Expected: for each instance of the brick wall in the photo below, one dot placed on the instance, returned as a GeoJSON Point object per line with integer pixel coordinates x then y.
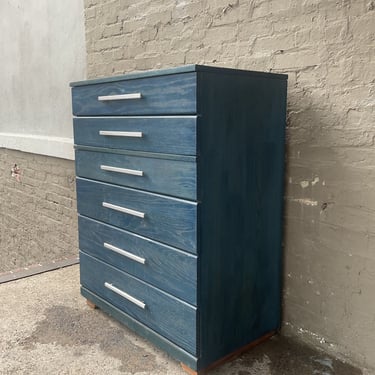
{"type": "Point", "coordinates": [38, 221]}
{"type": "Point", "coordinates": [327, 49]}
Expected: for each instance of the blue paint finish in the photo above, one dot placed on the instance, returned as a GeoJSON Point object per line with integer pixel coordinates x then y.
{"type": "Point", "coordinates": [142, 154]}
{"type": "Point", "coordinates": [171, 177]}
{"type": "Point", "coordinates": [163, 313]}
{"type": "Point", "coordinates": [169, 220]}
{"type": "Point", "coordinates": [175, 94]}
{"type": "Point", "coordinates": [178, 70]}
{"type": "Point", "coordinates": [160, 341]}
{"type": "Point", "coordinates": [166, 267]}
{"type": "Point", "coordinates": [170, 135]}
{"type": "Point", "coordinates": [233, 224]}
{"type": "Point", "coordinates": [240, 182]}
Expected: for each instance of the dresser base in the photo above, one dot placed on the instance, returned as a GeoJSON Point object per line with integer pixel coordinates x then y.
{"type": "Point", "coordinates": [91, 304]}
{"type": "Point", "coordinates": [101, 304]}
{"type": "Point", "coordinates": [229, 357]}
{"type": "Point", "coordinates": [162, 343]}
{"type": "Point", "coordinates": [111, 310]}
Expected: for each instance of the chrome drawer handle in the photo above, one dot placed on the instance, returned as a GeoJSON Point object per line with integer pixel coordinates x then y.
{"type": "Point", "coordinates": [133, 172]}
{"type": "Point", "coordinates": [125, 295]}
{"type": "Point", "coordinates": [123, 209]}
{"type": "Point", "coordinates": [124, 253]}
{"type": "Point", "coordinates": [121, 134]}
{"type": "Point", "coordinates": [135, 95]}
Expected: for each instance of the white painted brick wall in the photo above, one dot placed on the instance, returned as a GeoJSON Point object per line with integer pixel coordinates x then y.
{"type": "Point", "coordinates": [327, 49]}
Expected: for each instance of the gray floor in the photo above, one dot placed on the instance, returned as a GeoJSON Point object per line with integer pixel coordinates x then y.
{"type": "Point", "coordinates": [47, 328]}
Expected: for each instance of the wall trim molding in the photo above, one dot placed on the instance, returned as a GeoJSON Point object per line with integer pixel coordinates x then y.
{"type": "Point", "coordinates": [58, 147]}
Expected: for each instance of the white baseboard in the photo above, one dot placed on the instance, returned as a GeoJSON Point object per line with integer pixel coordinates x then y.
{"type": "Point", "coordinates": [58, 147]}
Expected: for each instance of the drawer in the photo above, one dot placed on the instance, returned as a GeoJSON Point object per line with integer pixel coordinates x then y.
{"type": "Point", "coordinates": [169, 220]}
{"type": "Point", "coordinates": [173, 177]}
{"type": "Point", "coordinates": [163, 266]}
{"type": "Point", "coordinates": [170, 94]}
{"type": "Point", "coordinates": [168, 135]}
{"type": "Point", "coordinates": [167, 315]}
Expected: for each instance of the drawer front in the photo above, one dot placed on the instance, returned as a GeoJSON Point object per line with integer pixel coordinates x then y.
{"type": "Point", "coordinates": [163, 313]}
{"type": "Point", "coordinates": [171, 94]}
{"type": "Point", "coordinates": [172, 177]}
{"type": "Point", "coordinates": [165, 267]}
{"type": "Point", "coordinates": [168, 135]}
{"type": "Point", "coordinates": [169, 220]}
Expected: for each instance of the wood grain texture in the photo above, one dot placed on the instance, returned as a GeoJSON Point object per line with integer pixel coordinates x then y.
{"type": "Point", "coordinates": [163, 313]}
{"type": "Point", "coordinates": [240, 180]}
{"type": "Point", "coordinates": [168, 220]}
{"type": "Point", "coordinates": [178, 70]}
{"type": "Point", "coordinates": [234, 224]}
{"type": "Point", "coordinates": [160, 341]}
{"type": "Point", "coordinates": [170, 135]}
{"type": "Point", "coordinates": [174, 94]}
{"type": "Point", "coordinates": [170, 177]}
{"type": "Point", "coordinates": [166, 268]}
{"type": "Point", "coordinates": [144, 154]}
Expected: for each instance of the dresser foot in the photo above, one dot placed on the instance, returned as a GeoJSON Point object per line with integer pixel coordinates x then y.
{"type": "Point", "coordinates": [189, 371]}
{"type": "Point", "coordinates": [91, 304]}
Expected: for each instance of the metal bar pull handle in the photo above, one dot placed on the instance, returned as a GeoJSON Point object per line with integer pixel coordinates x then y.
{"type": "Point", "coordinates": [123, 209]}
{"type": "Point", "coordinates": [133, 172]}
{"type": "Point", "coordinates": [121, 134]}
{"type": "Point", "coordinates": [124, 253]}
{"type": "Point", "coordinates": [106, 98]}
{"type": "Point", "coordinates": [127, 296]}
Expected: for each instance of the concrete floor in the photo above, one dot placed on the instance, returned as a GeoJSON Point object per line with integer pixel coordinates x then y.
{"type": "Point", "coordinates": [47, 328]}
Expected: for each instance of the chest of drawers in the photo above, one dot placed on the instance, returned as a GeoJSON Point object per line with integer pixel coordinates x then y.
{"type": "Point", "coordinates": [179, 195]}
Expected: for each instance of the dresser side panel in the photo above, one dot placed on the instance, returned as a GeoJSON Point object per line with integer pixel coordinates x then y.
{"type": "Point", "coordinates": [240, 184]}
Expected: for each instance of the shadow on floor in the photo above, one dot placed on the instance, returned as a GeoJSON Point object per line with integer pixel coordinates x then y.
{"type": "Point", "coordinates": [278, 356]}
{"type": "Point", "coordinates": [47, 328]}
{"type": "Point", "coordinates": [286, 356]}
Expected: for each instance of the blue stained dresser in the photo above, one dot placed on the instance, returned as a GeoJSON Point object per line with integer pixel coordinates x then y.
{"type": "Point", "coordinates": [179, 195]}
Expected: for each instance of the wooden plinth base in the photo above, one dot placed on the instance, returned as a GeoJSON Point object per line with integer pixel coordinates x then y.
{"type": "Point", "coordinates": [221, 361]}
{"type": "Point", "coordinates": [228, 357]}
{"type": "Point", "coordinates": [91, 304]}
{"type": "Point", "coordinates": [188, 370]}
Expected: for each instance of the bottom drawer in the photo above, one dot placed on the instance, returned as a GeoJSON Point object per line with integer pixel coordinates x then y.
{"type": "Point", "coordinates": [165, 314]}
{"type": "Point", "coordinates": [157, 264]}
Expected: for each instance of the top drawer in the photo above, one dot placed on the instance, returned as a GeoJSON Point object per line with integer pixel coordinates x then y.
{"type": "Point", "coordinates": [170, 94]}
